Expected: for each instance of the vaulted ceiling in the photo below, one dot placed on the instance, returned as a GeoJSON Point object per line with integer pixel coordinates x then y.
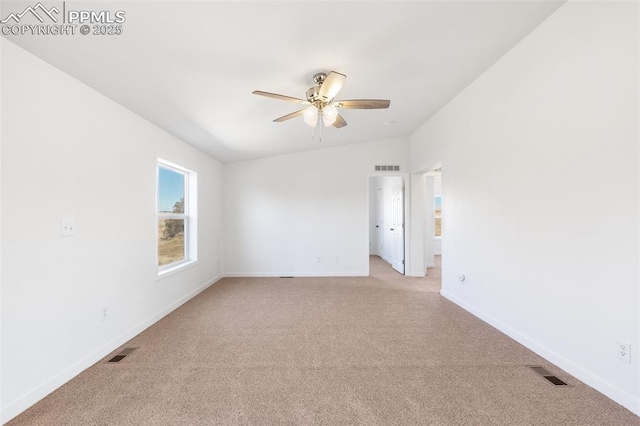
{"type": "Point", "coordinates": [190, 67]}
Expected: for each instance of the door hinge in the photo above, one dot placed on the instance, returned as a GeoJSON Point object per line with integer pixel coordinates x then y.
{"type": "Point", "coordinates": [403, 262]}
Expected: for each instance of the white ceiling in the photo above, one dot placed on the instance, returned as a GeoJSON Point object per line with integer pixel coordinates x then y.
{"type": "Point", "coordinates": [190, 67]}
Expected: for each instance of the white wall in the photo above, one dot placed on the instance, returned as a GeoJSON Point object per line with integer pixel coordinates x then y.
{"type": "Point", "coordinates": [430, 220]}
{"type": "Point", "coordinates": [437, 186]}
{"type": "Point", "coordinates": [419, 249]}
{"type": "Point", "coordinates": [1, 235]}
{"type": "Point", "coordinates": [282, 213]}
{"type": "Point", "coordinates": [424, 244]}
{"type": "Point", "coordinates": [69, 152]}
{"type": "Point", "coordinates": [540, 169]}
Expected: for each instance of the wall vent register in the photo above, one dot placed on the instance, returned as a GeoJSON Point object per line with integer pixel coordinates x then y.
{"type": "Point", "coordinates": [387, 168]}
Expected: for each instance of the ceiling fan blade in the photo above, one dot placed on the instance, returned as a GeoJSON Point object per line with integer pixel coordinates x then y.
{"type": "Point", "coordinates": [332, 84]}
{"type": "Point", "coordinates": [339, 122]}
{"type": "Point", "coordinates": [281, 97]}
{"type": "Point", "coordinates": [363, 104]}
{"type": "Point", "coordinates": [288, 116]}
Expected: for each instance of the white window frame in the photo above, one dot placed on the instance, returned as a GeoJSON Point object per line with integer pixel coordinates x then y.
{"type": "Point", "coordinates": [189, 217]}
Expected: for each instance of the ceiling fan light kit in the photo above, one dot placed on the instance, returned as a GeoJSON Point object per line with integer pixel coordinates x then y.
{"type": "Point", "coordinates": [320, 101]}
{"type": "Point", "coordinates": [310, 115]}
{"type": "Point", "coordinates": [329, 115]}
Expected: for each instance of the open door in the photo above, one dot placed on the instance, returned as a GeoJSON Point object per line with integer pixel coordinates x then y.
{"type": "Point", "coordinates": [379, 221]}
{"type": "Point", "coordinates": [397, 226]}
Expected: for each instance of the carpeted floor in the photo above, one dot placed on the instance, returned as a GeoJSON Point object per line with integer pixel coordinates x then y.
{"type": "Point", "coordinates": [381, 350]}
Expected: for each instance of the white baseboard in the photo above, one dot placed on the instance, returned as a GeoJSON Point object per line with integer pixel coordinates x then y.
{"type": "Point", "coordinates": [296, 274]}
{"type": "Point", "coordinates": [416, 274]}
{"type": "Point", "coordinates": [598, 383]}
{"type": "Point", "coordinates": [430, 265]}
{"type": "Point", "coordinates": [29, 399]}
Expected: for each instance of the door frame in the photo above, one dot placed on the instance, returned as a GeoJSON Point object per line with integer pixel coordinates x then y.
{"type": "Point", "coordinates": [422, 217]}
{"type": "Point", "coordinates": [430, 217]}
{"type": "Point", "coordinates": [379, 205]}
{"type": "Point", "coordinates": [406, 181]}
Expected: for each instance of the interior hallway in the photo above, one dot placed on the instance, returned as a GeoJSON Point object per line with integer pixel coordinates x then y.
{"type": "Point", "coordinates": [384, 349]}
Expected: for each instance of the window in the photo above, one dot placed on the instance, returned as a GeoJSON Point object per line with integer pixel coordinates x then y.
{"type": "Point", "coordinates": [175, 218]}
{"type": "Point", "coordinates": [438, 215]}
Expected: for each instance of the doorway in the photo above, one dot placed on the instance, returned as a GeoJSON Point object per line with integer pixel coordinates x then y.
{"type": "Point", "coordinates": [386, 220]}
{"type": "Point", "coordinates": [433, 222]}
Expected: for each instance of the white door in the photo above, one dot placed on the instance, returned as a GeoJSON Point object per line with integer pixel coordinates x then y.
{"type": "Point", "coordinates": [379, 222]}
{"type": "Point", "coordinates": [397, 227]}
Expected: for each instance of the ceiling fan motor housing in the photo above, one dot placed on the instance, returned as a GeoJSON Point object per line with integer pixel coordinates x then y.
{"type": "Point", "coordinates": [313, 94]}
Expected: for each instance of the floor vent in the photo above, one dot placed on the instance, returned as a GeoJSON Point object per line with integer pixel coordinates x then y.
{"type": "Point", "coordinates": [387, 168]}
{"type": "Point", "coordinates": [547, 375]}
{"type": "Point", "coordinates": [122, 354]}
{"type": "Point", "coordinates": [555, 380]}
{"type": "Point", "coordinates": [117, 358]}
{"type": "Point", "coordinates": [286, 277]}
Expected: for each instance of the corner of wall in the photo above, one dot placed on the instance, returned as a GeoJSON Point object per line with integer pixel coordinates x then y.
{"type": "Point", "coordinates": [2, 41]}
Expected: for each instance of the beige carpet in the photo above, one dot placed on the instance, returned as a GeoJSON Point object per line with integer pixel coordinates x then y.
{"type": "Point", "coordinates": [383, 350]}
{"type": "Point", "coordinates": [381, 270]}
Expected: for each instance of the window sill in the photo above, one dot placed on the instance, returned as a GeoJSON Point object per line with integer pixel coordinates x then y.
{"type": "Point", "coordinates": [179, 267]}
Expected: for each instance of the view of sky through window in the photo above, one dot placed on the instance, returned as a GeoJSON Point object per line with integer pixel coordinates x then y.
{"type": "Point", "coordinates": [170, 189]}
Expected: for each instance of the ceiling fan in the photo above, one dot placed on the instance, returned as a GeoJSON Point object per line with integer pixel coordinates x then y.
{"type": "Point", "coordinates": [320, 102]}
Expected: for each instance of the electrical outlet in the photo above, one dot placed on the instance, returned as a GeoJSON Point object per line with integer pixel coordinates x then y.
{"type": "Point", "coordinates": [67, 228]}
{"type": "Point", "coordinates": [624, 351]}
{"type": "Point", "coordinates": [105, 313]}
